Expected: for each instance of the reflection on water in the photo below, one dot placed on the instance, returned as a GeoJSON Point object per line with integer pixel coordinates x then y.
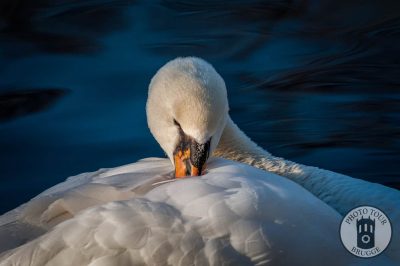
{"type": "Point", "coordinates": [313, 81]}
{"type": "Point", "coordinates": [19, 103]}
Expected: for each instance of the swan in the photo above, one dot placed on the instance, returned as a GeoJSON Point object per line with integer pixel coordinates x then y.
{"type": "Point", "coordinates": [242, 206]}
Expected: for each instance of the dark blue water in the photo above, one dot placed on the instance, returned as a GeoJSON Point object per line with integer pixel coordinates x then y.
{"type": "Point", "coordinates": [317, 82]}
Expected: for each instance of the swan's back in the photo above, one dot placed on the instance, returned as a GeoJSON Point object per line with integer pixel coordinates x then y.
{"type": "Point", "coordinates": [233, 215]}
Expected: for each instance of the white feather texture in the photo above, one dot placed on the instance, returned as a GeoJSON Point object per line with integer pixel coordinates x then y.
{"type": "Point", "coordinates": [235, 214]}
{"type": "Point", "coordinates": [190, 91]}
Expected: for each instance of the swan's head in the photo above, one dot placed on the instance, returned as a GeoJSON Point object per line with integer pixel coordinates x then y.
{"type": "Point", "coordinates": [187, 109]}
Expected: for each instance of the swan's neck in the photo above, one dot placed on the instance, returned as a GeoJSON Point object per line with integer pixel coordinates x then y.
{"type": "Point", "coordinates": [237, 146]}
{"type": "Point", "coordinates": [339, 191]}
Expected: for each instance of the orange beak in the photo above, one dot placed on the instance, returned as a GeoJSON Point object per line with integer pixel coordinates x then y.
{"type": "Point", "coordinates": [183, 166]}
{"type": "Point", "coordinates": [190, 157]}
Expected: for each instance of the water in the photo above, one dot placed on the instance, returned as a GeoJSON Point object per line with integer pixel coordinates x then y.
{"type": "Point", "coordinates": [317, 82]}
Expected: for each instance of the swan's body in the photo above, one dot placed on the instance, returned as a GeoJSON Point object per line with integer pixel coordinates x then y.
{"type": "Point", "coordinates": [233, 215]}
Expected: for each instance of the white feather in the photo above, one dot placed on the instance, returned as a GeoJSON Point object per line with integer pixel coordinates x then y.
{"type": "Point", "coordinates": [235, 214]}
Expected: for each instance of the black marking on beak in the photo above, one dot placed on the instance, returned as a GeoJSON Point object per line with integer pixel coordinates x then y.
{"type": "Point", "coordinates": [188, 168]}
{"type": "Point", "coordinates": [190, 156]}
{"type": "Point", "coordinates": [199, 154]}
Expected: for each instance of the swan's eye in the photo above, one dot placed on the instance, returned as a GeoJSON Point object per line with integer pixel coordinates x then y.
{"type": "Point", "coordinates": [179, 128]}
{"type": "Point", "coordinates": [177, 124]}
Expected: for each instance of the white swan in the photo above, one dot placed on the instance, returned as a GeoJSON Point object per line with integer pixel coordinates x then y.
{"type": "Point", "coordinates": [234, 214]}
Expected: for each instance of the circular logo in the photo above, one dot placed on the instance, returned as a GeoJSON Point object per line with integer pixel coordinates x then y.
{"type": "Point", "coordinates": [365, 231]}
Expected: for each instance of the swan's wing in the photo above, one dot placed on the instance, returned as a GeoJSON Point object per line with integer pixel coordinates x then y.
{"type": "Point", "coordinates": [135, 232]}
{"type": "Point", "coordinates": [234, 215]}
{"type": "Point", "coordinates": [344, 193]}
{"type": "Point", "coordinates": [77, 193]}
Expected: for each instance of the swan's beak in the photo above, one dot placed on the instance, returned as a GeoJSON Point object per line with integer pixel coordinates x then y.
{"type": "Point", "coordinates": [190, 158]}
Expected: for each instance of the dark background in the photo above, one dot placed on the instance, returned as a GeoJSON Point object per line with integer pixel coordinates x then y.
{"type": "Point", "coordinates": [317, 82]}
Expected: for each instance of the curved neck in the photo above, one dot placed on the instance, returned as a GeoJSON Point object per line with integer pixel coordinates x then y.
{"type": "Point", "coordinates": [237, 146]}
{"type": "Point", "coordinates": [339, 191]}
